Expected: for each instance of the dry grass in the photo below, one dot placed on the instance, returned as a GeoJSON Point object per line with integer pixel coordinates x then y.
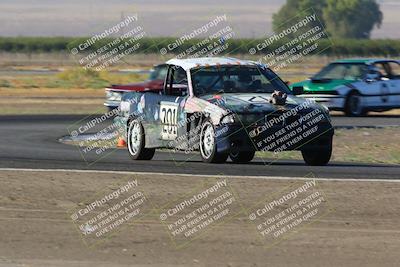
{"type": "Point", "coordinates": [51, 101]}
{"type": "Point", "coordinates": [376, 146]}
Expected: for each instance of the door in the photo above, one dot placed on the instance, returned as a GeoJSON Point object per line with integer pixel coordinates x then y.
{"type": "Point", "coordinates": [378, 93]}
{"type": "Point", "coordinates": [171, 116]}
{"type": "Point", "coordinates": [393, 69]}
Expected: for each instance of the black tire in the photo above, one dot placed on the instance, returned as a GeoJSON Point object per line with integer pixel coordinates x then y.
{"type": "Point", "coordinates": [318, 157]}
{"type": "Point", "coordinates": [136, 142]}
{"type": "Point", "coordinates": [208, 145]}
{"type": "Point", "coordinates": [353, 107]}
{"type": "Point", "coordinates": [242, 156]}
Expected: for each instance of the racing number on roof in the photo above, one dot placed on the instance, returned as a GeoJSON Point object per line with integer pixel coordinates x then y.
{"type": "Point", "coordinates": [169, 120]}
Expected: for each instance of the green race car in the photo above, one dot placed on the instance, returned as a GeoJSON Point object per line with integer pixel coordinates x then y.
{"type": "Point", "coordinates": [355, 86]}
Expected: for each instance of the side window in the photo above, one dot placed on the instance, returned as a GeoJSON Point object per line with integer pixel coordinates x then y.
{"type": "Point", "coordinates": [382, 70]}
{"type": "Point", "coordinates": [177, 84]}
{"type": "Point", "coordinates": [355, 72]}
{"type": "Point", "coordinates": [394, 70]}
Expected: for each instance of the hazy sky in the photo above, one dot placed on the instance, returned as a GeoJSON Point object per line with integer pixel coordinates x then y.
{"type": "Point", "coordinates": [248, 18]}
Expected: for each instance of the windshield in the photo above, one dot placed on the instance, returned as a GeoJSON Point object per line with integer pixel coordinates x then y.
{"type": "Point", "coordinates": [235, 79]}
{"type": "Point", "coordinates": [342, 71]}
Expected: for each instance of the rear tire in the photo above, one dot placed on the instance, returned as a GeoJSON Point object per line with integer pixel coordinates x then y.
{"type": "Point", "coordinates": [208, 145]}
{"type": "Point", "coordinates": [318, 157]}
{"type": "Point", "coordinates": [242, 157]}
{"type": "Point", "coordinates": [136, 142]}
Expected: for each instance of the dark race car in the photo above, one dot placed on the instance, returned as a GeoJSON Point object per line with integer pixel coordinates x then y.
{"type": "Point", "coordinates": [224, 107]}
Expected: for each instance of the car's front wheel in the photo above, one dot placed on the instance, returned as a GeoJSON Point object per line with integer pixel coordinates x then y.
{"type": "Point", "coordinates": [354, 106]}
{"type": "Point", "coordinates": [208, 145]}
{"type": "Point", "coordinates": [136, 142]}
{"type": "Point", "coordinates": [318, 157]}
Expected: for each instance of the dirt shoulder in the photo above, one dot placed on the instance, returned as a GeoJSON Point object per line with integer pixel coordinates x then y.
{"type": "Point", "coordinates": [359, 226]}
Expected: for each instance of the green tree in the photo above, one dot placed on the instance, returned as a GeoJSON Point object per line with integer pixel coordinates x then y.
{"type": "Point", "coordinates": [341, 18]}
{"type": "Point", "coordinates": [352, 18]}
{"type": "Point", "coordinates": [297, 8]}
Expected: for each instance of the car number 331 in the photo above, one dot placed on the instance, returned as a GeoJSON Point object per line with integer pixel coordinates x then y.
{"type": "Point", "coordinates": [169, 120]}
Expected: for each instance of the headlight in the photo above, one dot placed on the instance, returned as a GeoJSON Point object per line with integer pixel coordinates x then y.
{"type": "Point", "coordinates": [228, 119]}
{"type": "Point", "coordinates": [113, 96]}
{"type": "Point", "coordinates": [125, 106]}
{"type": "Point", "coordinates": [326, 109]}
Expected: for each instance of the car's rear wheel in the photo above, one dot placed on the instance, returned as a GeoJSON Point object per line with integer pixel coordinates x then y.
{"type": "Point", "coordinates": [208, 145]}
{"type": "Point", "coordinates": [354, 107]}
{"type": "Point", "coordinates": [136, 142]}
{"type": "Point", "coordinates": [318, 157]}
{"type": "Point", "coordinates": [242, 156]}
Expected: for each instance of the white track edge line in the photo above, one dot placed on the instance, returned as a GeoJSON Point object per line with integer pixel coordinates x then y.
{"type": "Point", "coordinates": [206, 175]}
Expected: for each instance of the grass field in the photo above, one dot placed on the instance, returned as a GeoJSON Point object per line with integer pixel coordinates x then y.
{"type": "Point", "coordinates": [382, 146]}
{"type": "Point", "coordinates": [72, 78]}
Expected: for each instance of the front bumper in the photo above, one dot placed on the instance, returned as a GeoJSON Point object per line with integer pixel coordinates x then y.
{"type": "Point", "coordinates": [276, 139]}
{"type": "Point", "coordinates": [112, 104]}
{"type": "Point", "coordinates": [333, 102]}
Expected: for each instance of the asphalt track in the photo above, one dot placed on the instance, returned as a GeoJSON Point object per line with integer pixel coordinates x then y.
{"type": "Point", "coordinates": [31, 141]}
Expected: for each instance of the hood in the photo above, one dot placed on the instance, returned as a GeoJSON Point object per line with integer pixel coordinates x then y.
{"type": "Point", "coordinates": [130, 87]}
{"type": "Point", "coordinates": [320, 85]}
{"type": "Point", "coordinates": [242, 103]}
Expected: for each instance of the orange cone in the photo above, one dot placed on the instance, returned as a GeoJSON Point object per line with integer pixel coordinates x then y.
{"type": "Point", "coordinates": [121, 142]}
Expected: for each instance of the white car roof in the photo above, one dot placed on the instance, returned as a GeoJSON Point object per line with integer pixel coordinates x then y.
{"type": "Point", "coordinates": [191, 63]}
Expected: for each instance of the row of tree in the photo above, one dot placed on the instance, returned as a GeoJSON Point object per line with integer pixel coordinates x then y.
{"type": "Point", "coordinates": [335, 47]}
{"type": "Point", "coordinates": [340, 18]}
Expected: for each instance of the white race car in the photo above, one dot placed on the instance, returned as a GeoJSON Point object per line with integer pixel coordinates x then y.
{"type": "Point", "coordinates": [355, 86]}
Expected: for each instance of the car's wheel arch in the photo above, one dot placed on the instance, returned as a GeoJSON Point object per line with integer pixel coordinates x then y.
{"type": "Point", "coordinates": [129, 121]}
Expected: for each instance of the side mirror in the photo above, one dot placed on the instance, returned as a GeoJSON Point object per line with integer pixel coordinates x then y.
{"type": "Point", "coordinates": [298, 90]}
{"type": "Point", "coordinates": [373, 76]}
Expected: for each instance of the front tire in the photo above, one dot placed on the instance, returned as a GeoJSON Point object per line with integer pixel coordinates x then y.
{"type": "Point", "coordinates": [208, 145]}
{"type": "Point", "coordinates": [353, 106]}
{"type": "Point", "coordinates": [136, 142]}
{"type": "Point", "coordinates": [318, 157]}
{"type": "Point", "coordinates": [242, 156]}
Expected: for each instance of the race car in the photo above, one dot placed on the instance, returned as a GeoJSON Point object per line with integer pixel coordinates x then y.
{"type": "Point", "coordinates": [154, 83]}
{"type": "Point", "coordinates": [356, 86]}
{"type": "Point", "coordinates": [224, 107]}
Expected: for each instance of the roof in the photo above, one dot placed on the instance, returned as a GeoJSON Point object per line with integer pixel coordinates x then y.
{"type": "Point", "coordinates": [191, 63]}
{"type": "Point", "coordinates": [364, 60]}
